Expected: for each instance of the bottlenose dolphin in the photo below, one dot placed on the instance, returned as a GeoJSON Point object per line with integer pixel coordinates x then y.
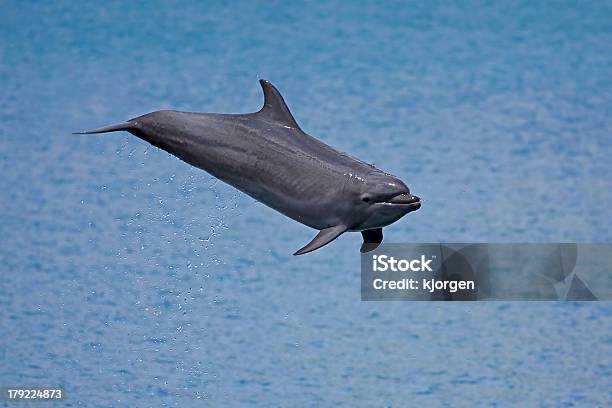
{"type": "Point", "coordinates": [267, 156]}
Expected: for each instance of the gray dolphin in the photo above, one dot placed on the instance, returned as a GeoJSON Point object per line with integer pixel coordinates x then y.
{"type": "Point", "coordinates": [266, 155]}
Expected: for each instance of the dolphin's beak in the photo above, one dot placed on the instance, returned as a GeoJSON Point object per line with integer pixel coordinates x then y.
{"type": "Point", "coordinates": [407, 199]}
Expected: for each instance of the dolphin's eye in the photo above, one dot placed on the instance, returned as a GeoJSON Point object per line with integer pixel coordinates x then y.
{"type": "Point", "coordinates": [366, 199]}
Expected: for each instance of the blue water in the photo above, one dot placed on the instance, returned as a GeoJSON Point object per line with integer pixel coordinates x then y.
{"type": "Point", "coordinates": [133, 279]}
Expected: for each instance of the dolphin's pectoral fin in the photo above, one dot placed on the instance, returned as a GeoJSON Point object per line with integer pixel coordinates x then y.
{"type": "Point", "coordinates": [275, 107]}
{"type": "Point", "coordinates": [371, 239]}
{"type": "Point", "coordinates": [127, 126]}
{"type": "Point", "coordinates": [324, 237]}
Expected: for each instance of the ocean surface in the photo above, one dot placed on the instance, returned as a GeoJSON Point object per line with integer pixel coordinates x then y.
{"type": "Point", "coordinates": [134, 280]}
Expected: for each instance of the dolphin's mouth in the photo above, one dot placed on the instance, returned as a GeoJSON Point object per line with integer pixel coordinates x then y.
{"type": "Point", "coordinates": [404, 199]}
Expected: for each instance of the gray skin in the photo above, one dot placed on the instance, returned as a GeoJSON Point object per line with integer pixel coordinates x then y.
{"type": "Point", "coordinates": [267, 156]}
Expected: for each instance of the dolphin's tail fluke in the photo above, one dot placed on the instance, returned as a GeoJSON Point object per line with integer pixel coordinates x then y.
{"type": "Point", "coordinates": [127, 126]}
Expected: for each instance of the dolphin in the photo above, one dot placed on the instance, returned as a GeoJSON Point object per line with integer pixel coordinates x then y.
{"type": "Point", "coordinates": [268, 156]}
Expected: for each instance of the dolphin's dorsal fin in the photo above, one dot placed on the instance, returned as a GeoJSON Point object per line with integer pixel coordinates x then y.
{"type": "Point", "coordinates": [324, 237]}
{"type": "Point", "coordinates": [275, 107]}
